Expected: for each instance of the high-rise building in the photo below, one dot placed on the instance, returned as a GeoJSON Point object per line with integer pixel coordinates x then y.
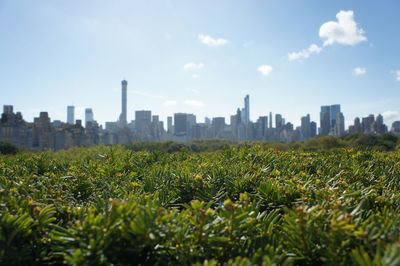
{"type": "Point", "coordinates": [8, 109]}
{"type": "Point", "coordinates": [380, 127]}
{"type": "Point", "coordinates": [270, 119]}
{"type": "Point", "coordinates": [334, 111]}
{"type": "Point", "coordinates": [339, 125]}
{"type": "Point", "coordinates": [181, 124]}
{"type": "Point", "coordinates": [325, 120]}
{"type": "Point", "coordinates": [396, 127]}
{"type": "Point", "coordinates": [191, 120]}
{"type": "Point", "coordinates": [278, 121]}
{"type": "Point", "coordinates": [367, 124]}
{"type": "Point", "coordinates": [143, 121]}
{"type": "Point", "coordinates": [71, 114]}
{"type": "Point", "coordinates": [357, 125]}
{"type": "Point", "coordinates": [246, 114]}
{"type": "Point", "coordinates": [207, 121]}
{"type": "Point", "coordinates": [218, 124]}
{"type": "Point", "coordinates": [261, 127]}
{"type": "Point", "coordinates": [313, 129]}
{"type": "Point", "coordinates": [88, 115]}
{"type": "Point", "coordinates": [123, 116]}
{"type": "Point", "coordinates": [170, 129]}
{"type": "Point", "coordinates": [305, 128]}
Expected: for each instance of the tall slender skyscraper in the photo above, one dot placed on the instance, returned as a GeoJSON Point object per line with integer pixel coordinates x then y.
{"type": "Point", "coordinates": [246, 109]}
{"type": "Point", "coordinates": [270, 119]}
{"type": "Point", "coordinates": [170, 128]}
{"type": "Point", "coordinates": [123, 116]}
{"type": "Point", "coordinates": [279, 121]}
{"type": "Point", "coordinates": [325, 119]}
{"type": "Point", "coordinates": [71, 114]}
{"type": "Point", "coordinates": [306, 127]}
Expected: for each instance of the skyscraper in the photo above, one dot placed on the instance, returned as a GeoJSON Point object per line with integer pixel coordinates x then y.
{"type": "Point", "coordinates": [218, 125]}
{"type": "Point", "coordinates": [306, 126]}
{"type": "Point", "coordinates": [380, 127]}
{"type": "Point", "coordinates": [325, 120]}
{"type": "Point", "coordinates": [339, 125]}
{"type": "Point", "coordinates": [368, 123]}
{"type": "Point", "coordinates": [88, 115]}
{"type": "Point", "coordinates": [246, 109]}
{"type": "Point", "coordinates": [181, 124]}
{"type": "Point", "coordinates": [334, 111]}
{"type": "Point", "coordinates": [71, 114]}
{"type": "Point", "coordinates": [278, 121]}
{"type": "Point", "coordinates": [170, 129]}
{"type": "Point", "coordinates": [270, 119]}
{"type": "Point", "coordinates": [143, 121]}
{"type": "Point", "coordinates": [123, 116]}
{"type": "Point", "coordinates": [313, 129]}
{"type": "Point", "coordinates": [8, 109]}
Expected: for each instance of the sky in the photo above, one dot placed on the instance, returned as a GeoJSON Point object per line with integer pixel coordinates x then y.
{"type": "Point", "coordinates": [200, 57]}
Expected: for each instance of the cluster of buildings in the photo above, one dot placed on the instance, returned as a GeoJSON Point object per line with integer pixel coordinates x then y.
{"type": "Point", "coordinates": [43, 133]}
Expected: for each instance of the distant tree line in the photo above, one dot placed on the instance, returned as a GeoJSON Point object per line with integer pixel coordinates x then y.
{"type": "Point", "coordinates": [385, 142]}
{"type": "Point", "coordinates": [8, 148]}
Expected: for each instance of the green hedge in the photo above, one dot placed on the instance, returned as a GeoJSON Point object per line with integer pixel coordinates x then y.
{"type": "Point", "coordinates": [246, 205]}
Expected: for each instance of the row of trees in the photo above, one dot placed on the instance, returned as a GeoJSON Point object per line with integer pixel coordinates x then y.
{"type": "Point", "coordinates": [386, 142]}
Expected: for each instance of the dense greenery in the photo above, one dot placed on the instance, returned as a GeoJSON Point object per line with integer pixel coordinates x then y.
{"type": "Point", "coordinates": [8, 148]}
{"type": "Point", "coordinates": [386, 142]}
{"type": "Point", "coordinates": [240, 205]}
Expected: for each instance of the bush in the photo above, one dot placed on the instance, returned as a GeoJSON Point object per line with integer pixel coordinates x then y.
{"type": "Point", "coordinates": [246, 204]}
{"type": "Point", "coordinates": [8, 148]}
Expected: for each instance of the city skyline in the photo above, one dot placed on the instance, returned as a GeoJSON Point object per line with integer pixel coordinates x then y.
{"type": "Point", "coordinates": [122, 121]}
{"type": "Point", "coordinates": [331, 120]}
{"type": "Point", "coordinates": [45, 133]}
{"type": "Point", "coordinates": [201, 58]}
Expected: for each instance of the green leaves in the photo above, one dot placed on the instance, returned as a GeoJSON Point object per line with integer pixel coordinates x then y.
{"type": "Point", "coordinates": [237, 206]}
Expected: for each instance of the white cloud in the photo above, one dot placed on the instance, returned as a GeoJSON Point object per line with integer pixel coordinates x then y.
{"type": "Point", "coordinates": [397, 74]}
{"type": "Point", "coordinates": [358, 71]}
{"type": "Point", "coordinates": [170, 103]}
{"type": "Point", "coordinates": [196, 91]}
{"type": "Point", "coordinates": [265, 70]}
{"type": "Point", "coordinates": [343, 31]}
{"type": "Point", "coordinates": [390, 116]}
{"type": "Point", "coordinates": [193, 66]}
{"type": "Point", "coordinates": [194, 103]}
{"type": "Point", "coordinates": [210, 41]}
{"type": "Point", "coordinates": [305, 53]}
{"type": "Point", "coordinates": [195, 76]}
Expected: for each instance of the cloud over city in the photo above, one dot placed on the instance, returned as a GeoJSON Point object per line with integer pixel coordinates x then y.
{"type": "Point", "coordinates": [396, 74]}
{"type": "Point", "coordinates": [344, 31]}
{"type": "Point", "coordinates": [193, 66]}
{"type": "Point", "coordinates": [265, 70]}
{"type": "Point", "coordinates": [211, 41]}
{"type": "Point", "coordinates": [358, 71]}
{"type": "Point", "coordinates": [305, 53]}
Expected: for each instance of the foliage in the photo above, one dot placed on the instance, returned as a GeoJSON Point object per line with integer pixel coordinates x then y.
{"type": "Point", "coordinates": [171, 146]}
{"type": "Point", "coordinates": [240, 205]}
{"type": "Point", "coordinates": [385, 142]}
{"type": "Point", "coordinates": [8, 148]}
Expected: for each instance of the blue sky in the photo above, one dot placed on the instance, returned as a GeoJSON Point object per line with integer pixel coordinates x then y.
{"type": "Point", "coordinates": [200, 57]}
